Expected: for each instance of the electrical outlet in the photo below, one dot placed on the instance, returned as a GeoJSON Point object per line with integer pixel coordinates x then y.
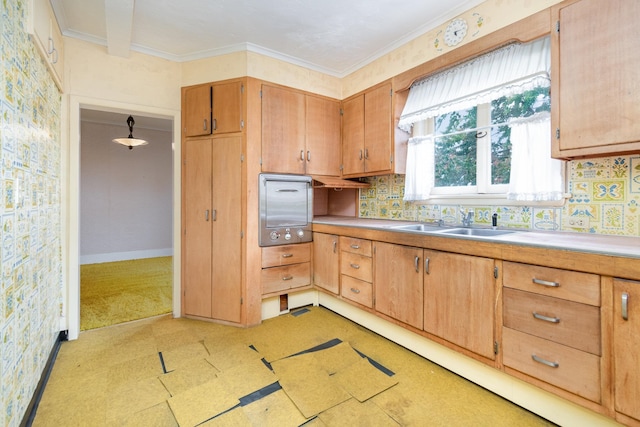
{"type": "Point", "coordinates": [577, 222]}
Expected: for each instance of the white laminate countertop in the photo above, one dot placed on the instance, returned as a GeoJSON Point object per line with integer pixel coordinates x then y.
{"type": "Point", "coordinates": [622, 246]}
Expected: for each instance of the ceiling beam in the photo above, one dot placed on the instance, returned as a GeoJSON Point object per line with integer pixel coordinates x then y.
{"type": "Point", "coordinates": [119, 20]}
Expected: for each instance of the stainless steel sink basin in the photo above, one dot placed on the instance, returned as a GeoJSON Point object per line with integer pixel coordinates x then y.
{"type": "Point", "coordinates": [417, 227]}
{"type": "Point", "coordinates": [481, 232]}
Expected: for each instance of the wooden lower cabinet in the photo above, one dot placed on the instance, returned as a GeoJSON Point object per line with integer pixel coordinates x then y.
{"type": "Point", "coordinates": [285, 267]}
{"type": "Point", "coordinates": [398, 272]}
{"type": "Point", "coordinates": [552, 328]}
{"type": "Point", "coordinates": [326, 262]}
{"type": "Point", "coordinates": [212, 255]}
{"type": "Point", "coordinates": [356, 270]}
{"type": "Point", "coordinates": [459, 300]}
{"type": "Point", "coordinates": [626, 348]}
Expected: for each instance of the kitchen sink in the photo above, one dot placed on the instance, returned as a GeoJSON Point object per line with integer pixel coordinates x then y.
{"type": "Point", "coordinates": [481, 232]}
{"type": "Point", "coordinates": [418, 227]}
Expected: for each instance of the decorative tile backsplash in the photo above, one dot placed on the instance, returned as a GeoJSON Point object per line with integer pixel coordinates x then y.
{"type": "Point", "coordinates": [605, 200]}
{"type": "Point", "coordinates": [30, 255]}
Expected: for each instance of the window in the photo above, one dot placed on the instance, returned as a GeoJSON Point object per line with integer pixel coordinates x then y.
{"type": "Point", "coordinates": [472, 147]}
{"type": "Point", "coordinates": [462, 121]}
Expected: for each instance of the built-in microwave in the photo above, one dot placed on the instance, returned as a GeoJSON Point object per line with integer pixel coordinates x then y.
{"type": "Point", "coordinates": [286, 209]}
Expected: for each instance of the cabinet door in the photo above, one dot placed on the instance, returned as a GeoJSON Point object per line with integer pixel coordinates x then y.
{"type": "Point", "coordinates": [196, 263]}
{"type": "Point", "coordinates": [227, 107]}
{"type": "Point", "coordinates": [226, 223]}
{"type": "Point", "coordinates": [595, 78]}
{"type": "Point", "coordinates": [326, 269]}
{"type": "Point", "coordinates": [626, 342]}
{"type": "Point", "coordinates": [196, 102]}
{"type": "Point", "coordinates": [377, 130]}
{"type": "Point", "coordinates": [398, 279]}
{"type": "Point", "coordinates": [283, 130]}
{"type": "Point", "coordinates": [459, 298]}
{"type": "Point", "coordinates": [353, 136]}
{"type": "Point", "coordinates": [323, 154]}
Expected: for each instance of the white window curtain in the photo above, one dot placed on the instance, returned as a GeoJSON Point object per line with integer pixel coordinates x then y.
{"type": "Point", "coordinates": [506, 71]}
{"type": "Point", "coordinates": [420, 172]}
{"type": "Point", "coordinates": [535, 176]}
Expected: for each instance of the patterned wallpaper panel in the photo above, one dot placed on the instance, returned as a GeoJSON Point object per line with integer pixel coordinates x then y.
{"type": "Point", "coordinates": [605, 200]}
{"type": "Point", "coordinates": [30, 253]}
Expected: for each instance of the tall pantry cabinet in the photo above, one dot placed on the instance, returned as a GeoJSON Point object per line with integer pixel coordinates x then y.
{"type": "Point", "coordinates": [212, 201]}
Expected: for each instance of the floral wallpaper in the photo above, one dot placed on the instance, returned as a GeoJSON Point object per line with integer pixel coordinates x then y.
{"type": "Point", "coordinates": [30, 253]}
{"type": "Point", "coordinates": [605, 200]}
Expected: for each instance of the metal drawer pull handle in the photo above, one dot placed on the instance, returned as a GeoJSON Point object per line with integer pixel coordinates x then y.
{"type": "Point", "coordinates": [308, 156]}
{"type": "Point", "coordinates": [214, 214]}
{"type": "Point", "coordinates": [426, 265]}
{"type": "Point", "coordinates": [285, 278]}
{"type": "Point", "coordinates": [545, 283]}
{"type": "Point", "coordinates": [287, 255]}
{"type": "Point", "coordinates": [356, 266]}
{"type": "Point", "coordinates": [416, 264]}
{"type": "Point", "coordinates": [335, 245]}
{"type": "Point", "coordinates": [355, 291]}
{"type": "Point", "coordinates": [625, 306]}
{"type": "Point", "coordinates": [215, 124]}
{"type": "Point", "coordinates": [302, 155]}
{"type": "Point", "coordinates": [546, 318]}
{"type": "Point", "coordinates": [204, 125]}
{"type": "Point", "coordinates": [545, 361]}
{"type": "Point", "coordinates": [355, 246]}
{"type": "Point", "coordinates": [360, 154]}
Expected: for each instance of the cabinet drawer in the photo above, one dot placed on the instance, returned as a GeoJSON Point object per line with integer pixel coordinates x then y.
{"type": "Point", "coordinates": [277, 279]}
{"type": "Point", "coordinates": [285, 255]}
{"type": "Point", "coordinates": [356, 246]}
{"type": "Point", "coordinates": [357, 266]}
{"type": "Point", "coordinates": [357, 290]}
{"type": "Point", "coordinates": [570, 285]}
{"type": "Point", "coordinates": [570, 369]}
{"type": "Point", "coordinates": [570, 323]}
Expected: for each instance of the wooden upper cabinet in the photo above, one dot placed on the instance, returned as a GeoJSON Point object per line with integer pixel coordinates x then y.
{"type": "Point", "coordinates": [367, 133]}
{"type": "Point", "coordinates": [227, 107]}
{"type": "Point", "coordinates": [196, 104]}
{"type": "Point", "coordinates": [353, 135]}
{"type": "Point", "coordinates": [594, 78]}
{"type": "Point", "coordinates": [322, 136]}
{"type": "Point", "coordinates": [300, 132]}
{"type": "Point", "coordinates": [283, 130]}
{"type": "Point", "coordinates": [212, 109]}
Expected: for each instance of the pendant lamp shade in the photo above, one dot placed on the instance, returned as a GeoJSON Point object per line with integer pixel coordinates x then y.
{"type": "Point", "coordinates": [130, 141]}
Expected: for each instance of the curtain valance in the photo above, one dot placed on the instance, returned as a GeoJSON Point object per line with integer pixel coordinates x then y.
{"type": "Point", "coordinates": [506, 71]}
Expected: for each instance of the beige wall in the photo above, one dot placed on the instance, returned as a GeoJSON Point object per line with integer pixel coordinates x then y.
{"type": "Point", "coordinates": [138, 80]}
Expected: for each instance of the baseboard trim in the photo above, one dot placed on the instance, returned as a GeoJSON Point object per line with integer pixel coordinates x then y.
{"type": "Point", "coordinates": [30, 413]}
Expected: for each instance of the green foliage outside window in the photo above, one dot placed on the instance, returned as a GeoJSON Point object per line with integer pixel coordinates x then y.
{"type": "Point", "coordinates": [457, 134]}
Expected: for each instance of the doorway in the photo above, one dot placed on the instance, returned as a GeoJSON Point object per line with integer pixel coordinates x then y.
{"type": "Point", "coordinates": [126, 219]}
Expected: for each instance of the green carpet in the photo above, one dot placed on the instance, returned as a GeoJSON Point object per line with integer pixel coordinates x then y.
{"type": "Point", "coordinates": [118, 292]}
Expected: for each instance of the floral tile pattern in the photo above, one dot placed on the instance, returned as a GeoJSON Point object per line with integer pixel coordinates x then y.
{"type": "Point", "coordinates": [30, 251]}
{"type": "Point", "coordinates": [605, 197]}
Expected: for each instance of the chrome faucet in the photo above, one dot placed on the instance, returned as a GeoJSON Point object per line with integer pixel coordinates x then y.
{"type": "Point", "coordinates": [467, 218]}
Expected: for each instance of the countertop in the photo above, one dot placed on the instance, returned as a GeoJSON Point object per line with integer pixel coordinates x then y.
{"type": "Point", "coordinates": [621, 246]}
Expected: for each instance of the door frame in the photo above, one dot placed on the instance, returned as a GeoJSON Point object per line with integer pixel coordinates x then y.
{"type": "Point", "coordinates": [70, 173]}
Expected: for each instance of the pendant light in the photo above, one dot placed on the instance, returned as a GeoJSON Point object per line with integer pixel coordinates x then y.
{"type": "Point", "coordinates": [130, 141]}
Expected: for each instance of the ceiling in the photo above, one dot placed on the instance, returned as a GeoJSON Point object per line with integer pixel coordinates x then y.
{"type": "Point", "coordinates": [335, 37]}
